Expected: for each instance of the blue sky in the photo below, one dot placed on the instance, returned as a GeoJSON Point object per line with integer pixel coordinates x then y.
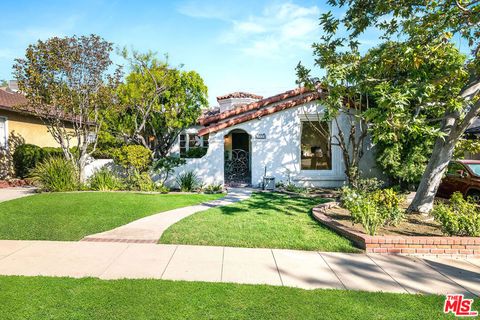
{"type": "Point", "coordinates": [249, 46]}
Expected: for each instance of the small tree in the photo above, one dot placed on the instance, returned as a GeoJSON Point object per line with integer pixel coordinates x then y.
{"type": "Point", "coordinates": [68, 86]}
{"type": "Point", "coordinates": [343, 95]}
{"type": "Point", "coordinates": [157, 102]}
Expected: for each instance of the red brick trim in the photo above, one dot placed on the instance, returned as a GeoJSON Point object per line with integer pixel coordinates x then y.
{"type": "Point", "coordinates": [405, 245]}
{"type": "Point", "coordinates": [259, 113]}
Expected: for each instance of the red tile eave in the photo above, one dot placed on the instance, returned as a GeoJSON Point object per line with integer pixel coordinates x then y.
{"type": "Point", "coordinates": [252, 106]}
{"type": "Point", "coordinates": [259, 113]}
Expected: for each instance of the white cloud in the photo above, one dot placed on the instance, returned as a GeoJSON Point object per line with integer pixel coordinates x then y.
{"type": "Point", "coordinates": [278, 32]}
{"type": "Point", "coordinates": [204, 10]}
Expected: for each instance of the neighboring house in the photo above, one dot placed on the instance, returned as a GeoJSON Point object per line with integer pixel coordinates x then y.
{"type": "Point", "coordinates": [248, 138]}
{"type": "Point", "coordinates": [15, 117]}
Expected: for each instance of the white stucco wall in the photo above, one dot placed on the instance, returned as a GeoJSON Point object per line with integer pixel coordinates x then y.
{"type": "Point", "coordinates": [279, 153]}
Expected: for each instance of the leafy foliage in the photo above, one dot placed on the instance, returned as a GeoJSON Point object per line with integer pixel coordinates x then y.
{"type": "Point", "coordinates": [213, 188]}
{"type": "Point", "coordinates": [68, 85]}
{"type": "Point", "coordinates": [7, 169]}
{"type": "Point", "coordinates": [157, 102]}
{"type": "Point", "coordinates": [133, 158]}
{"type": "Point", "coordinates": [105, 180]}
{"type": "Point", "coordinates": [165, 166]}
{"type": "Point", "coordinates": [25, 158]}
{"type": "Point", "coordinates": [56, 175]}
{"type": "Point", "coordinates": [460, 217]}
{"type": "Point", "coordinates": [188, 181]}
{"type": "Point", "coordinates": [424, 87]}
{"type": "Point", "coordinates": [140, 181]}
{"type": "Point", "coordinates": [373, 209]}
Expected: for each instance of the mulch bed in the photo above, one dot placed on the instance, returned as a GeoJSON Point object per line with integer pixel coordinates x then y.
{"type": "Point", "coordinates": [12, 183]}
{"type": "Point", "coordinates": [412, 225]}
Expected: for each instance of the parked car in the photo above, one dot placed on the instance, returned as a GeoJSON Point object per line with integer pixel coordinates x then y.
{"type": "Point", "coordinates": [462, 176]}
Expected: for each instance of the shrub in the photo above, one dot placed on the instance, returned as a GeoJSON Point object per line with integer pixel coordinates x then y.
{"type": "Point", "coordinates": [388, 203]}
{"type": "Point", "coordinates": [188, 181]}
{"type": "Point", "coordinates": [133, 158]}
{"type": "Point", "coordinates": [165, 166]}
{"type": "Point", "coordinates": [52, 152]}
{"type": "Point", "coordinates": [372, 209]}
{"type": "Point", "coordinates": [56, 175]}
{"type": "Point", "coordinates": [367, 185]}
{"type": "Point", "coordinates": [214, 188]}
{"type": "Point", "coordinates": [460, 217]}
{"type": "Point", "coordinates": [105, 180]}
{"type": "Point", "coordinates": [140, 182]}
{"type": "Point", "coordinates": [25, 158]}
{"type": "Point", "coordinates": [293, 188]}
{"type": "Point", "coordinates": [196, 152]}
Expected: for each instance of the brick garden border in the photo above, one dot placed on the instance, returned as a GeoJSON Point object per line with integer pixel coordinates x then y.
{"type": "Point", "coordinates": [405, 245]}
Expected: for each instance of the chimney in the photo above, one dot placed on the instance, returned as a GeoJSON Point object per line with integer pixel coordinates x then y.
{"type": "Point", "coordinates": [235, 99]}
{"type": "Point", "coordinates": [13, 85]}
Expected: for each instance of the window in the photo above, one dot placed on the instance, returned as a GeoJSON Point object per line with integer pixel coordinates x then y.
{"type": "Point", "coordinates": [454, 168]}
{"type": "Point", "coordinates": [315, 146]}
{"type": "Point", "coordinates": [193, 146]}
{"type": "Point", "coordinates": [3, 132]}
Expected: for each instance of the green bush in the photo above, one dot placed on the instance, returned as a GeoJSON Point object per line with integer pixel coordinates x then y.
{"type": "Point", "coordinates": [134, 158]}
{"type": "Point", "coordinates": [165, 166]}
{"type": "Point", "coordinates": [188, 181]}
{"type": "Point", "coordinates": [140, 182]}
{"type": "Point", "coordinates": [52, 152]}
{"type": "Point", "coordinates": [56, 175]}
{"type": "Point", "coordinates": [372, 209]}
{"type": "Point", "coordinates": [105, 180]}
{"type": "Point", "coordinates": [25, 158]}
{"type": "Point", "coordinates": [460, 217]}
{"type": "Point", "coordinates": [214, 188]}
{"type": "Point", "coordinates": [388, 202]}
{"type": "Point", "coordinates": [196, 152]}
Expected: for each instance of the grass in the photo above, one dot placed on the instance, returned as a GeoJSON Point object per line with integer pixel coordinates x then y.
{"type": "Point", "coordinates": [89, 298]}
{"type": "Point", "coordinates": [71, 216]}
{"type": "Point", "coordinates": [266, 220]}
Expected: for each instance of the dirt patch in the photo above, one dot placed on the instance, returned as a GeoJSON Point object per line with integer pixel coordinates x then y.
{"type": "Point", "coordinates": [412, 225]}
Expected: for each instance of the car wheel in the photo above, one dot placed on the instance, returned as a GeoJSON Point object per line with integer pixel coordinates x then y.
{"type": "Point", "coordinates": [475, 195]}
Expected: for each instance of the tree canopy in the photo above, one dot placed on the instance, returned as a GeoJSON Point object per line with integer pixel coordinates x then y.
{"type": "Point", "coordinates": [157, 102]}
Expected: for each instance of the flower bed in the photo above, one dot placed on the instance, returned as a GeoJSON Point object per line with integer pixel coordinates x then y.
{"type": "Point", "coordinates": [399, 244]}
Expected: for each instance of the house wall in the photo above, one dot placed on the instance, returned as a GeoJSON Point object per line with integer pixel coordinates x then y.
{"type": "Point", "coordinates": [29, 128]}
{"type": "Point", "coordinates": [279, 153]}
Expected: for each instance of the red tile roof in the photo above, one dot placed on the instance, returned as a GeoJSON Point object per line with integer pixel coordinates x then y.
{"type": "Point", "coordinates": [257, 109]}
{"type": "Point", "coordinates": [239, 95]}
{"type": "Point", "coordinates": [10, 99]}
{"type": "Point", "coordinates": [17, 102]}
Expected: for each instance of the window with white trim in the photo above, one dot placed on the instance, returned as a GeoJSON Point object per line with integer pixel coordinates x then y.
{"type": "Point", "coordinates": [192, 145]}
{"type": "Point", "coordinates": [316, 149]}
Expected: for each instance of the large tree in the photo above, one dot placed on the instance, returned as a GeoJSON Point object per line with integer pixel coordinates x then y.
{"type": "Point", "coordinates": [427, 27]}
{"type": "Point", "coordinates": [68, 85]}
{"type": "Point", "coordinates": [156, 102]}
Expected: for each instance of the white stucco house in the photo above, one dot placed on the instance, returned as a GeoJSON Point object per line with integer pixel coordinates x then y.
{"type": "Point", "coordinates": [248, 137]}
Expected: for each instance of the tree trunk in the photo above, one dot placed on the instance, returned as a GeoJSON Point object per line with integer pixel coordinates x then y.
{"type": "Point", "coordinates": [441, 156]}
{"type": "Point", "coordinates": [443, 151]}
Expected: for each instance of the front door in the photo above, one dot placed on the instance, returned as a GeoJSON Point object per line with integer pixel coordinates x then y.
{"type": "Point", "coordinates": [237, 160]}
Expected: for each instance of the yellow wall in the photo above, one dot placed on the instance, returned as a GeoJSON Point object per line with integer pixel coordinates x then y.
{"type": "Point", "coordinates": [30, 128]}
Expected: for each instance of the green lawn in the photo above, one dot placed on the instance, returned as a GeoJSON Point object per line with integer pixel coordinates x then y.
{"type": "Point", "coordinates": [71, 216]}
{"type": "Point", "coordinates": [267, 220]}
{"type": "Point", "coordinates": [89, 298]}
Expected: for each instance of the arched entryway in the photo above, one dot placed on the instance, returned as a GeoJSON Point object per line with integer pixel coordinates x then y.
{"type": "Point", "coordinates": [237, 169]}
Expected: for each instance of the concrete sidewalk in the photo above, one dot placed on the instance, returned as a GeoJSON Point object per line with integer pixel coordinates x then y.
{"type": "Point", "coordinates": [151, 228]}
{"type": "Point", "coordinates": [14, 193]}
{"type": "Point", "coordinates": [303, 269]}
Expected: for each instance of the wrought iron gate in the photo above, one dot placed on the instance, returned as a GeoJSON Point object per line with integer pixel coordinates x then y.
{"type": "Point", "coordinates": [237, 169]}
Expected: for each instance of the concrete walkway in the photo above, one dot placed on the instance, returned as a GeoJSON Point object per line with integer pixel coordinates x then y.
{"type": "Point", "coordinates": [14, 193]}
{"type": "Point", "coordinates": [151, 228]}
{"type": "Point", "coordinates": [303, 269]}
